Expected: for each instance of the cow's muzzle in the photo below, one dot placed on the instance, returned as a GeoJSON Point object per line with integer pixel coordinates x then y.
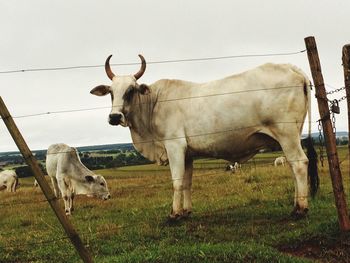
{"type": "Point", "coordinates": [115, 118]}
{"type": "Point", "coordinates": [106, 197]}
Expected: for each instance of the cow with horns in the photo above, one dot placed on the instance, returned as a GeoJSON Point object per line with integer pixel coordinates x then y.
{"type": "Point", "coordinates": [171, 121]}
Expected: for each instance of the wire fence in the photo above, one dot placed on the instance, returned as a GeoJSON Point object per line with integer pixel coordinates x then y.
{"type": "Point", "coordinates": [219, 167]}
{"type": "Point", "coordinates": [169, 100]}
{"type": "Point", "coordinates": [155, 62]}
{"type": "Point", "coordinates": [216, 167]}
{"type": "Point", "coordinates": [158, 101]}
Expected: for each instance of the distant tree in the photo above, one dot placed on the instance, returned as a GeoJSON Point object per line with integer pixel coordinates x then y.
{"type": "Point", "coordinates": [344, 142]}
{"type": "Point", "coordinates": [40, 156]}
{"type": "Point", "coordinates": [25, 171]}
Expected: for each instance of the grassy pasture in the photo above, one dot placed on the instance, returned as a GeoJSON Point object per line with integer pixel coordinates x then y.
{"type": "Point", "coordinates": [237, 218]}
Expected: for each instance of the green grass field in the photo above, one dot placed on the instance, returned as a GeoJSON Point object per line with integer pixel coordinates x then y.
{"type": "Point", "coordinates": [237, 218]}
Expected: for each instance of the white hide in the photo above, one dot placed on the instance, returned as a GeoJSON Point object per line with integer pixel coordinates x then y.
{"type": "Point", "coordinates": [280, 160]}
{"type": "Point", "coordinates": [70, 177]}
{"type": "Point", "coordinates": [233, 168]}
{"type": "Point", "coordinates": [8, 180]}
{"type": "Point", "coordinates": [231, 118]}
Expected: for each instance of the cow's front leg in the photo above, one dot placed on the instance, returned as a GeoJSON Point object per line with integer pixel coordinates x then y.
{"type": "Point", "coordinates": [66, 195]}
{"type": "Point", "coordinates": [56, 189]}
{"type": "Point", "coordinates": [187, 187]}
{"type": "Point", "coordinates": [176, 153]}
{"type": "Point", "coordinates": [71, 202]}
{"type": "Point", "coordinates": [14, 185]}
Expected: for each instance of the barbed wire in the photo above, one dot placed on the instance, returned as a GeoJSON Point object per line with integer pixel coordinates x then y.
{"type": "Point", "coordinates": [194, 135]}
{"type": "Point", "coordinates": [154, 62]}
{"type": "Point", "coordinates": [253, 164]}
{"type": "Point", "coordinates": [158, 101]}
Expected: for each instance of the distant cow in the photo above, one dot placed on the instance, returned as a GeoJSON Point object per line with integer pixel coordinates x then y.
{"type": "Point", "coordinates": [8, 180]}
{"type": "Point", "coordinates": [35, 183]}
{"type": "Point", "coordinates": [233, 167]}
{"type": "Point", "coordinates": [70, 177]}
{"type": "Point", "coordinates": [280, 160]}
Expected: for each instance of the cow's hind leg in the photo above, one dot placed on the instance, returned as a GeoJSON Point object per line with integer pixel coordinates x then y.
{"type": "Point", "coordinates": [299, 163]}
{"type": "Point", "coordinates": [176, 154]}
{"type": "Point", "coordinates": [187, 187]}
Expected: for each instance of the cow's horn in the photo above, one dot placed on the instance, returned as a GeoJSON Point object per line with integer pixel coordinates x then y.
{"type": "Point", "coordinates": [142, 69]}
{"type": "Point", "coordinates": [108, 70]}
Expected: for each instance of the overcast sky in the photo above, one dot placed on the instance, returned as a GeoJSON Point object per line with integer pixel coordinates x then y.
{"type": "Point", "coordinates": [41, 34]}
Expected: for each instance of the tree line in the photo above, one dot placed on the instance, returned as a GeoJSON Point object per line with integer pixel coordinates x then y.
{"type": "Point", "coordinates": [93, 161]}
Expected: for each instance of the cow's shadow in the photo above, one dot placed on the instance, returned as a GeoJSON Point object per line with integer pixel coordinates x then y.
{"type": "Point", "coordinates": [258, 213]}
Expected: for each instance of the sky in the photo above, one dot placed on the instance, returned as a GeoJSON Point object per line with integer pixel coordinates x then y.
{"type": "Point", "coordinates": [48, 34]}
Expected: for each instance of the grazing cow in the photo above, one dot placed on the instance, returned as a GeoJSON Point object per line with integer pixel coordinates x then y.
{"type": "Point", "coordinates": [233, 167]}
{"type": "Point", "coordinates": [171, 121]}
{"type": "Point", "coordinates": [280, 160]}
{"type": "Point", "coordinates": [70, 177]}
{"type": "Point", "coordinates": [8, 180]}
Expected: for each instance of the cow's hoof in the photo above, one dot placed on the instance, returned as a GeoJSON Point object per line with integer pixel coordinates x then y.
{"type": "Point", "coordinates": [173, 219]}
{"type": "Point", "coordinates": [186, 214]}
{"type": "Point", "coordinates": [299, 213]}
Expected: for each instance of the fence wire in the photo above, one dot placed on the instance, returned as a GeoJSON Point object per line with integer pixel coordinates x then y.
{"type": "Point", "coordinates": [155, 62]}
{"type": "Point", "coordinates": [254, 163]}
{"type": "Point", "coordinates": [168, 182]}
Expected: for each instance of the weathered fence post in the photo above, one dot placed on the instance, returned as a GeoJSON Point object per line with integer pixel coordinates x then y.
{"type": "Point", "coordinates": [346, 66]}
{"type": "Point", "coordinates": [39, 176]}
{"type": "Point", "coordinates": [329, 136]}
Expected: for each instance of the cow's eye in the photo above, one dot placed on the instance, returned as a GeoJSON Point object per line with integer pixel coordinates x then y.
{"type": "Point", "coordinates": [102, 184]}
{"type": "Point", "coordinates": [129, 93]}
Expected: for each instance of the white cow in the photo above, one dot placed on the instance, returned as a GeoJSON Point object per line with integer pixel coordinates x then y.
{"type": "Point", "coordinates": [70, 177]}
{"type": "Point", "coordinates": [233, 167]}
{"type": "Point", "coordinates": [280, 160]}
{"type": "Point", "coordinates": [171, 121]}
{"type": "Point", "coordinates": [35, 184]}
{"type": "Point", "coordinates": [8, 180]}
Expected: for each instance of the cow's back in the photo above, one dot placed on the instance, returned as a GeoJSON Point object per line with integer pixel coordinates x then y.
{"type": "Point", "coordinates": [217, 116]}
{"type": "Point", "coordinates": [4, 175]}
{"type": "Point", "coordinates": [58, 159]}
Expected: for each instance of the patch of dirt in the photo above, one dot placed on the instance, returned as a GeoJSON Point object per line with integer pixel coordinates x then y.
{"type": "Point", "coordinates": [320, 249]}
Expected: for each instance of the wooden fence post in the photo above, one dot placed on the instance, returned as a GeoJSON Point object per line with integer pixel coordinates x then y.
{"type": "Point", "coordinates": [330, 140]}
{"type": "Point", "coordinates": [346, 66]}
{"type": "Point", "coordinates": [39, 176]}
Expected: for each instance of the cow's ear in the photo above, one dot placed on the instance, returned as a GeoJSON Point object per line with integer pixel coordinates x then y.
{"type": "Point", "coordinates": [89, 178]}
{"type": "Point", "coordinates": [101, 90]}
{"type": "Point", "coordinates": [144, 89]}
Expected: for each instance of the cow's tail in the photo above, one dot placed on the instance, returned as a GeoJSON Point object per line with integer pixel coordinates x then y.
{"type": "Point", "coordinates": [311, 152]}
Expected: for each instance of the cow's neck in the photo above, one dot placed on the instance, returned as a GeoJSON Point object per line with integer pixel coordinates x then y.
{"type": "Point", "coordinates": [140, 116]}
{"type": "Point", "coordinates": [140, 124]}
